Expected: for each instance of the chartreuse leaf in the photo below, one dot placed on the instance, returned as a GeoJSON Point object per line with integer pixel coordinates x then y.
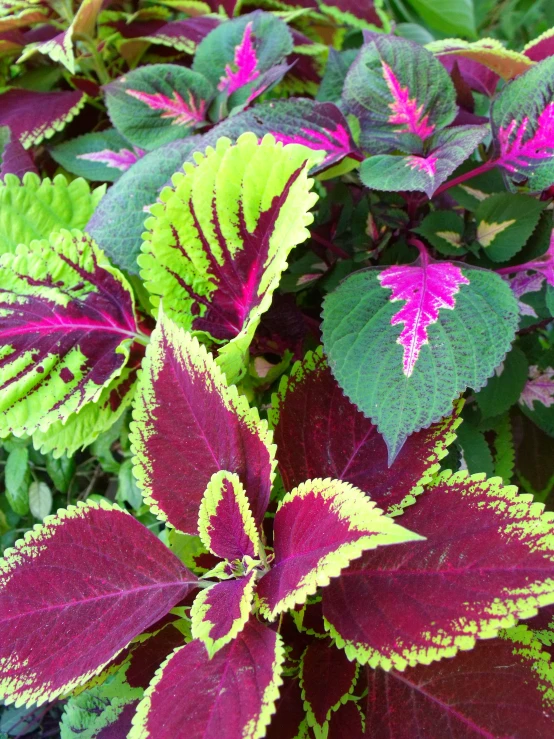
{"type": "Point", "coordinates": [188, 424]}
{"type": "Point", "coordinates": [486, 562]}
{"type": "Point", "coordinates": [225, 522]}
{"type": "Point", "coordinates": [159, 103]}
{"type": "Point", "coordinates": [504, 223]}
{"type": "Point", "coordinates": [220, 612]}
{"type": "Point", "coordinates": [456, 17]}
{"type": "Point", "coordinates": [218, 242]}
{"type": "Point", "coordinates": [319, 528]}
{"type": "Point", "coordinates": [88, 595]}
{"type": "Point", "coordinates": [34, 209]}
{"type": "Point", "coordinates": [502, 687]}
{"type": "Point", "coordinates": [320, 433]}
{"type": "Point", "coordinates": [489, 52]}
{"type": "Point", "coordinates": [253, 663]}
{"type": "Point", "coordinates": [66, 323]}
{"type": "Point", "coordinates": [403, 366]}
{"type": "Point", "coordinates": [522, 120]}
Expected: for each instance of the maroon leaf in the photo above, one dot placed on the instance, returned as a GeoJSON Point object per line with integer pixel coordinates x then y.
{"type": "Point", "coordinates": [183, 35]}
{"type": "Point", "coordinates": [320, 433]}
{"type": "Point", "coordinates": [240, 685]}
{"type": "Point", "coordinates": [347, 723]}
{"type": "Point", "coordinates": [13, 157]}
{"type": "Point", "coordinates": [541, 47]}
{"type": "Point", "coordinates": [74, 593]}
{"type": "Point", "coordinates": [289, 712]}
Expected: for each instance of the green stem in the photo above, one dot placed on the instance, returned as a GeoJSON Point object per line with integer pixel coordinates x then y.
{"type": "Point", "coordinates": [90, 43]}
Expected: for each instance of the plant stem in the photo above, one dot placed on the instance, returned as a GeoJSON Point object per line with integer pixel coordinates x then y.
{"type": "Point", "coordinates": [329, 245]}
{"type": "Point", "coordinates": [99, 65]}
{"type": "Point", "coordinates": [466, 176]}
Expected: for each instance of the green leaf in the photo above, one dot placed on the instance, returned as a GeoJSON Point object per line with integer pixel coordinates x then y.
{"type": "Point", "coordinates": [455, 17]}
{"type": "Point", "coordinates": [34, 209]}
{"type": "Point", "coordinates": [505, 456]}
{"type": "Point", "coordinates": [475, 449]}
{"type": "Point", "coordinates": [128, 490]}
{"type": "Point", "coordinates": [505, 222]}
{"type": "Point", "coordinates": [17, 478]}
{"type": "Point", "coordinates": [61, 471]}
{"type": "Point", "coordinates": [444, 229]}
{"type": "Point", "coordinates": [505, 386]}
{"type": "Point", "coordinates": [40, 500]}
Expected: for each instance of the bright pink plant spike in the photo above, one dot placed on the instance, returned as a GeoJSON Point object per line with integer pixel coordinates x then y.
{"type": "Point", "coordinates": [246, 63]}
{"type": "Point", "coordinates": [68, 608]}
{"type": "Point", "coordinates": [240, 684]}
{"type": "Point", "coordinates": [539, 388]}
{"type": "Point", "coordinates": [517, 154]}
{"type": "Point", "coordinates": [405, 110]}
{"type": "Point", "coordinates": [426, 288]}
{"type": "Point", "coordinates": [185, 114]}
{"type": "Point", "coordinates": [122, 159]}
{"type": "Point", "coordinates": [334, 142]}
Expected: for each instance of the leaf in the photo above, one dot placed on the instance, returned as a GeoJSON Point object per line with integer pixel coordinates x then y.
{"type": "Point", "coordinates": [33, 116]}
{"type": "Point", "coordinates": [40, 500]}
{"type": "Point", "coordinates": [61, 471]}
{"type": "Point", "coordinates": [182, 35]}
{"type": "Point", "coordinates": [320, 433]}
{"type": "Point", "coordinates": [289, 719]}
{"type": "Point", "coordinates": [539, 388]}
{"type": "Point", "coordinates": [118, 222]}
{"type": "Point", "coordinates": [476, 452]}
{"type": "Point", "coordinates": [505, 222]}
{"type": "Point", "coordinates": [488, 52]}
{"type": "Point", "coordinates": [400, 93]}
{"type": "Point", "coordinates": [88, 595]}
{"type": "Point", "coordinates": [253, 662]}
{"type": "Point", "coordinates": [221, 612]}
{"type": "Point", "coordinates": [522, 121]}
{"type": "Point", "coordinates": [159, 103]}
{"type": "Point", "coordinates": [502, 687]}
{"type": "Point", "coordinates": [447, 151]}
{"type": "Point", "coordinates": [128, 490]}
{"type": "Point", "coordinates": [218, 242]}
{"type": "Point", "coordinates": [456, 18]}
{"type": "Point", "coordinates": [444, 229]}
{"type": "Point", "coordinates": [540, 48]}
{"type": "Point", "coordinates": [66, 322]}
{"type": "Point", "coordinates": [485, 563]}
{"type": "Point", "coordinates": [323, 697]}
{"type": "Point", "coordinates": [188, 424]}
{"type": "Point", "coordinates": [406, 378]}
{"type": "Point", "coordinates": [34, 209]}
{"type": "Point", "coordinates": [319, 528]}
{"type": "Point", "coordinates": [505, 386]}
{"type": "Point", "coordinates": [225, 522]}
{"type": "Point", "coordinates": [13, 157]}
{"type": "Point", "coordinates": [101, 157]}
{"type": "Point", "coordinates": [17, 479]}
{"type": "Point", "coordinates": [338, 64]}
{"type": "Point", "coordinates": [505, 456]}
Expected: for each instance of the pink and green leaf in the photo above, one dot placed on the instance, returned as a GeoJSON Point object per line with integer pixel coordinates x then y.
{"type": "Point", "coordinates": [71, 600]}
{"type": "Point", "coordinates": [66, 324]}
{"type": "Point", "coordinates": [188, 424]}
{"type": "Point", "coordinates": [154, 105]}
{"type": "Point", "coordinates": [539, 388]}
{"type": "Point", "coordinates": [220, 613]}
{"type": "Point", "coordinates": [252, 662]}
{"type": "Point", "coordinates": [487, 561]}
{"type": "Point", "coordinates": [319, 528]}
{"type": "Point", "coordinates": [488, 52]}
{"type": "Point", "coordinates": [320, 433]}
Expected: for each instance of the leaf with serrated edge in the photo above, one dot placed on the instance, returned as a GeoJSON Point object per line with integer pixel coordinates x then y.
{"type": "Point", "coordinates": [487, 561]}
{"type": "Point", "coordinates": [253, 662]}
{"type": "Point", "coordinates": [188, 424]}
{"type": "Point", "coordinates": [319, 528]}
{"type": "Point", "coordinates": [88, 595]}
{"type": "Point", "coordinates": [487, 51]}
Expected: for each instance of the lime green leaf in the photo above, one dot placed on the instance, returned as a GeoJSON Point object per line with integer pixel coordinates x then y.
{"type": "Point", "coordinates": [453, 17]}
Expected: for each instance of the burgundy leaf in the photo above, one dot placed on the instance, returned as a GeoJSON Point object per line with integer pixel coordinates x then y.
{"type": "Point", "coordinates": [289, 712]}
{"type": "Point", "coordinates": [74, 593]}
{"type": "Point", "coordinates": [240, 685]}
{"type": "Point", "coordinates": [13, 157]}
{"type": "Point", "coordinates": [347, 722]}
{"type": "Point", "coordinates": [541, 47]}
{"type": "Point", "coordinates": [320, 433]}
{"type": "Point", "coordinates": [183, 35]}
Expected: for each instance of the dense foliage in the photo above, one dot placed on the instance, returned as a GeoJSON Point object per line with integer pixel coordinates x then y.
{"type": "Point", "coordinates": [277, 344]}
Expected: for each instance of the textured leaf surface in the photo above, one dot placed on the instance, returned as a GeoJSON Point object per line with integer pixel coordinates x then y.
{"type": "Point", "coordinates": [34, 209]}
{"type": "Point", "coordinates": [505, 222]}
{"type": "Point", "coordinates": [503, 687]}
{"type": "Point", "coordinates": [218, 242]}
{"type": "Point", "coordinates": [220, 613]}
{"type": "Point", "coordinates": [240, 685]}
{"type": "Point", "coordinates": [319, 528]}
{"type": "Point", "coordinates": [159, 103]}
{"type": "Point", "coordinates": [33, 116]}
{"type": "Point", "coordinates": [486, 562]}
{"type": "Point", "coordinates": [443, 229]}
{"type": "Point", "coordinates": [87, 594]}
{"type": "Point", "coordinates": [320, 433]}
{"type": "Point", "coordinates": [505, 386]}
{"type": "Point", "coordinates": [539, 388]}
{"type": "Point", "coordinates": [66, 323]}
{"type": "Point", "coordinates": [189, 424]}
{"type": "Point", "coordinates": [366, 354]}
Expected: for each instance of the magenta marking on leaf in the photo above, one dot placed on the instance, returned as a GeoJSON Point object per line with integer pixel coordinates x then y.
{"type": "Point", "coordinates": [334, 142]}
{"type": "Point", "coordinates": [427, 289]}
{"type": "Point", "coordinates": [522, 284]}
{"type": "Point", "coordinates": [405, 110]}
{"type": "Point", "coordinates": [517, 153]}
{"type": "Point", "coordinates": [185, 114]}
{"type": "Point", "coordinates": [543, 264]}
{"type": "Point", "coordinates": [539, 388]}
{"type": "Point", "coordinates": [122, 159]}
{"type": "Point", "coordinates": [226, 527]}
{"type": "Point", "coordinates": [225, 601]}
{"type": "Point", "coordinates": [246, 63]}
{"type": "Point", "coordinates": [424, 164]}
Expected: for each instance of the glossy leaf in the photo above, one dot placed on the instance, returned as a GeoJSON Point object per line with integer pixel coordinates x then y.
{"type": "Point", "coordinates": [66, 324]}
{"type": "Point", "coordinates": [319, 528]}
{"type": "Point", "coordinates": [188, 424]}
{"type": "Point", "coordinates": [505, 222]}
{"type": "Point", "coordinates": [320, 433]}
{"type": "Point", "coordinates": [88, 595]}
{"type": "Point", "coordinates": [253, 662]}
{"type": "Point", "coordinates": [486, 562]}
{"type": "Point", "coordinates": [456, 18]}
{"type": "Point", "coordinates": [404, 365]}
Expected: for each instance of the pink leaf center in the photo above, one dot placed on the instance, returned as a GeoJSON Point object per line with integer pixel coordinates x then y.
{"type": "Point", "coordinates": [405, 110]}
{"type": "Point", "coordinates": [334, 142]}
{"type": "Point", "coordinates": [185, 114]}
{"type": "Point", "coordinates": [515, 153]}
{"type": "Point", "coordinates": [423, 164]}
{"type": "Point", "coordinates": [246, 63]}
{"type": "Point", "coordinates": [121, 159]}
